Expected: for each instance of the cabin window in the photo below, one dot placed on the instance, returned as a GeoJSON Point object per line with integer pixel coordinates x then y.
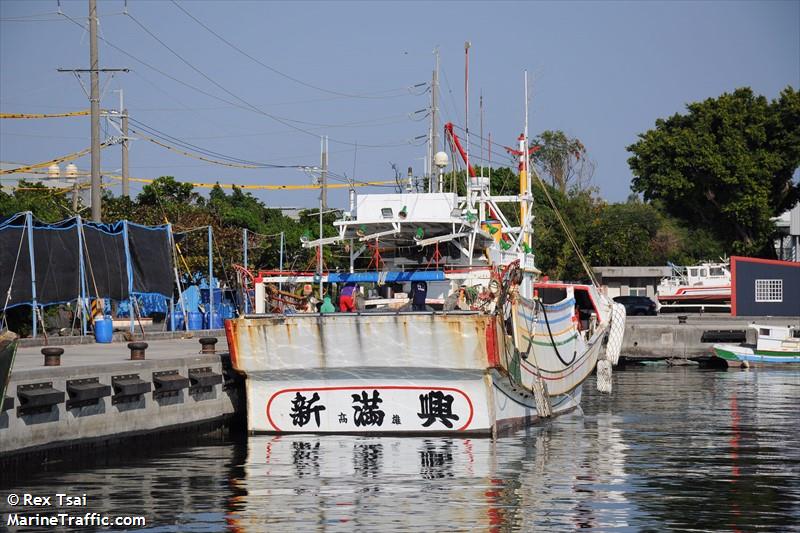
{"type": "Point", "coordinates": [717, 271]}
{"type": "Point", "coordinates": [763, 331]}
{"type": "Point", "coordinates": [693, 272]}
{"type": "Point", "coordinates": [703, 272]}
{"type": "Point", "coordinates": [796, 333]}
{"type": "Point", "coordinates": [769, 290]}
{"type": "Point", "coordinates": [637, 291]}
{"type": "Point", "coordinates": [386, 212]}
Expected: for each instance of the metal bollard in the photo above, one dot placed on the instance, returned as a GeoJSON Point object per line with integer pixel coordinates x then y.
{"type": "Point", "coordinates": [137, 350]}
{"type": "Point", "coordinates": [208, 344]}
{"type": "Point", "coordinates": [682, 319]}
{"type": "Point", "coordinates": [52, 355]}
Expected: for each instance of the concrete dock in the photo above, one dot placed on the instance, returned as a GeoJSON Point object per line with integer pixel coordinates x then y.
{"type": "Point", "coordinates": [666, 336]}
{"type": "Point", "coordinates": [99, 395]}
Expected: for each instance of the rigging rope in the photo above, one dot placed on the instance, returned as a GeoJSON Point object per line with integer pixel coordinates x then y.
{"type": "Point", "coordinates": [567, 231]}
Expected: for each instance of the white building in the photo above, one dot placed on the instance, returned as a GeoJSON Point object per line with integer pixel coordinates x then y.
{"type": "Point", "coordinates": [787, 244]}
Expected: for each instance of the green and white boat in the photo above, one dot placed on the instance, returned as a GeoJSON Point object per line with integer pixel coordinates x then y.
{"type": "Point", "coordinates": [775, 344]}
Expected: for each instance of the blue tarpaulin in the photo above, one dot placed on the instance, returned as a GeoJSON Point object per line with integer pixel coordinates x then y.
{"type": "Point", "coordinates": [391, 277]}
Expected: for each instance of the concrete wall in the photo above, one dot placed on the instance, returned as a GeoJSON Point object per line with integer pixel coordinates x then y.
{"type": "Point", "coordinates": [619, 280]}
{"type": "Point", "coordinates": [663, 337]}
{"type": "Point", "coordinates": [58, 426]}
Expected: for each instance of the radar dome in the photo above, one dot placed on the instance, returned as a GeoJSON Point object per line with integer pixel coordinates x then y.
{"type": "Point", "coordinates": [441, 160]}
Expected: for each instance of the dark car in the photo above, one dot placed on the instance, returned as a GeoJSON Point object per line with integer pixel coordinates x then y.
{"type": "Point", "coordinates": [637, 305]}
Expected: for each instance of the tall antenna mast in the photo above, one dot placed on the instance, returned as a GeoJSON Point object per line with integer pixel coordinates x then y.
{"type": "Point", "coordinates": [528, 185]}
{"type": "Point", "coordinates": [481, 108]}
{"type": "Point", "coordinates": [466, 117]}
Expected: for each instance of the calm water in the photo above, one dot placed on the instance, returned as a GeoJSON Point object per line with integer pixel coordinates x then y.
{"type": "Point", "coordinates": [672, 449]}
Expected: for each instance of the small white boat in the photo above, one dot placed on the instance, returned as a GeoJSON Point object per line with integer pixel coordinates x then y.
{"type": "Point", "coordinates": [775, 344]}
{"type": "Point", "coordinates": [703, 285]}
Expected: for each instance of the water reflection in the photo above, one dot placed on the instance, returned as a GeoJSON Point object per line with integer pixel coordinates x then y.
{"type": "Point", "coordinates": [672, 449]}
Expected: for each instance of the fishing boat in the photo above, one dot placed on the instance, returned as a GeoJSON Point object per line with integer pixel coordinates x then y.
{"type": "Point", "coordinates": [774, 344]}
{"type": "Point", "coordinates": [8, 348]}
{"type": "Point", "coordinates": [463, 334]}
{"type": "Point", "coordinates": [707, 285]}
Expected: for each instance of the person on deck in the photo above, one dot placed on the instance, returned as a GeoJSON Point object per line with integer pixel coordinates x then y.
{"type": "Point", "coordinates": [327, 305]}
{"type": "Point", "coordinates": [419, 292]}
{"type": "Point", "coordinates": [347, 302]}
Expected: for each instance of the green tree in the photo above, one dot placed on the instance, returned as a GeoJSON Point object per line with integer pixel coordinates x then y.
{"type": "Point", "coordinates": [46, 203]}
{"type": "Point", "coordinates": [165, 192]}
{"type": "Point", "coordinates": [562, 159]}
{"type": "Point", "coordinates": [726, 165]}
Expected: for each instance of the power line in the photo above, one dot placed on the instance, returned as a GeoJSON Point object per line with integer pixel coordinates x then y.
{"type": "Point", "coordinates": [283, 120]}
{"type": "Point", "coordinates": [193, 147]}
{"type": "Point", "coordinates": [287, 76]}
{"type": "Point", "coordinates": [248, 107]}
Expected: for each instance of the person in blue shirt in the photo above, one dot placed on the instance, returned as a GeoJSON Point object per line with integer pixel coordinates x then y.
{"type": "Point", "coordinates": [419, 292]}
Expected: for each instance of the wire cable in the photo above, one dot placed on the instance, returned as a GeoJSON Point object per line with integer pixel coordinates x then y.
{"type": "Point", "coordinates": [288, 77]}
{"type": "Point", "coordinates": [283, 120]}
{"type": "Point", "coordinates": [248, 107]}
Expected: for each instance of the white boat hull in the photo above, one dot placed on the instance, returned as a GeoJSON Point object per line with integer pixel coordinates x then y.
{"type": "Point", "coordinates": [383, 401]}
{"type": "Point", "coordinates": [403, 373]}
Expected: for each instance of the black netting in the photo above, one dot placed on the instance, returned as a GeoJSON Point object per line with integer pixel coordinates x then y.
{"type": "Point", "coordinates": [57, 258]}
{"type": "Point", "coordinates": [152, 259]}
{"type": "Point", "coordinates": [57, 251]}
{"type": "Point", "coordinates": [10, 237]}
{"type": "Point", "coordinates": [105, 262]}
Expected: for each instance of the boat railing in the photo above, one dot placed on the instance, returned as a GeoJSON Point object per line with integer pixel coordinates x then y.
{"type": "Point", "coordinates": [458, 312]}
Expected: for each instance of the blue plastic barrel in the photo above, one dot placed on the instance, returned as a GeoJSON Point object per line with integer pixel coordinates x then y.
{"type": "Point", "coordinates": [227, 310]}
{"type": "Point", "coordinates": [103, 329]}
{"type": "Point", "coordinates": [177, 317]}
{"type": "Point", "coordinates": [217, 296]}
{"type": "Point", "coordinates": [215, 321]}
{"type": "Point", "coordinates": [195, 320]}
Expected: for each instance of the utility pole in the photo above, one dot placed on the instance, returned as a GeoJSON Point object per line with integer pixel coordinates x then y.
{"type": "Point", "coordinates": [126, 187]}
{"type": "Point", "coordinates": [94, 99]}
{"type": "Point", "coordinates": [434, 122]}
{"type": "Point", "coordinates": [123, 127]}
{"type": "Point", "coordinates": [94, 71]}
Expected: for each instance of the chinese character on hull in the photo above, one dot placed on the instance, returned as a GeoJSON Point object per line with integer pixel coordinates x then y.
{"type": "Point", "coordinates": [302, 409]}
{"type": "Point", "coordinates": [365, 409]}
{"type": "Point", "coordinates": [437, 406]}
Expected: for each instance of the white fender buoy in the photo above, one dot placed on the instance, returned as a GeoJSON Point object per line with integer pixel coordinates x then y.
{"type": "Point", "coordinates": [604, 375]}
{"type": "Point", "coordinates": [615, 333]}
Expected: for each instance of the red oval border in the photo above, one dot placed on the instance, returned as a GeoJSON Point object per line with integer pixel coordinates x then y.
{"type": "Point", "coordinates": [387, 387]}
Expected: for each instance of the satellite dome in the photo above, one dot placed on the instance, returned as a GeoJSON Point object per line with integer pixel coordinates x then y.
{"type": "Point", "coordinates": [441, 160]}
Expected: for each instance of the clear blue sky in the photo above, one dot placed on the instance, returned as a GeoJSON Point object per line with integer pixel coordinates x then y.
{"type": "Point", "coordinates": [601, 71]}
